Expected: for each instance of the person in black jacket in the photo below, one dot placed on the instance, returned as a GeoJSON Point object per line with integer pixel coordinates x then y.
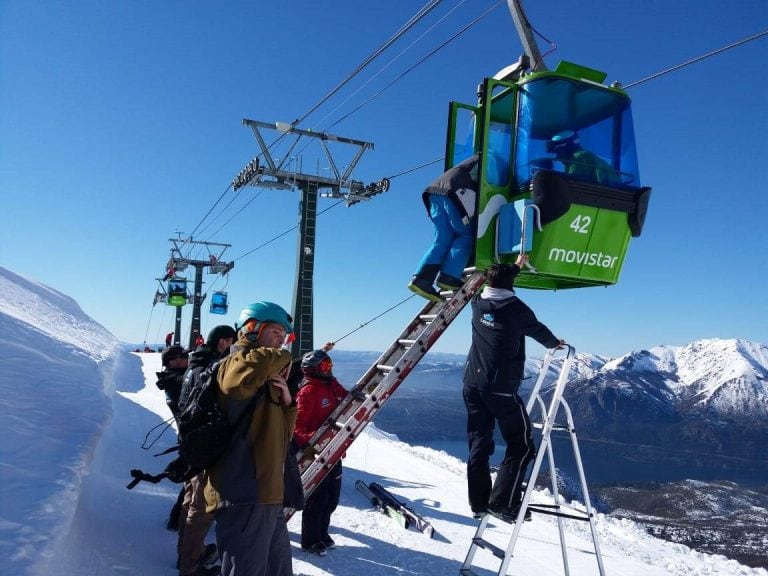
{"type": "Point", "coordinates": [194, 521]}
{"type": "Point", "coordinates": [492, 377]}
{"type": "Point", "coordinates": [175, 362]}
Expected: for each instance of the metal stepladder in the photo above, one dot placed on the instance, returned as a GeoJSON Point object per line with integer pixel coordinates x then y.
{"type": "Point", "coordinates": [548, 414]}
{"type": "Point", "coordinates": [380, 381]}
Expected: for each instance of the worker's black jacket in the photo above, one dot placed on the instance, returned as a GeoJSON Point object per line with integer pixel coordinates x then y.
{"type": "Point", "coordinates": [496, 360]}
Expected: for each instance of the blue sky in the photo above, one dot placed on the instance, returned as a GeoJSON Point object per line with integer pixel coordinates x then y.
{"type": "Point", "coordinates": [121, 124]}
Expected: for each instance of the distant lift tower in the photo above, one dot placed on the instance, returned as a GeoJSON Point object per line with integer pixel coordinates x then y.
{"type": "Point", "coordinates": [178, 263]}
{"type": "Point", "coordinates": [275, 174]}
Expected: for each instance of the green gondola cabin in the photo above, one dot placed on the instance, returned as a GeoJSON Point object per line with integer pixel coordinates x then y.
{"type": "Point", "coordinates": [177, 292]}
{"type": "Point", "coordinates": [559, 175]}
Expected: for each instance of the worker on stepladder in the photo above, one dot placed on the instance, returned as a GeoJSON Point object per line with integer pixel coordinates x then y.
{"type": "Point", "coordinates": [319, 395]}
{"type": "Point", "coordinates": [450, 202]}
{"type": "Point", "coordinates": [492, 376]}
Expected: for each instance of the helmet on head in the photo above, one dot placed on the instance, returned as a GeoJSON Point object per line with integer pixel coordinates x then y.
{"type": "Point", "coordinates": [317, 363]}
{"type": "Point", "coordinates": [265, 312]}
{"type": "Point", "coordinates": [563, 143]}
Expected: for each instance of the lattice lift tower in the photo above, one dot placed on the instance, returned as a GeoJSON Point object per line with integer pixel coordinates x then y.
{"type": "Point", "coordinates": [275, 174]}
{"type": "Point", "coordinates": [178, 263]}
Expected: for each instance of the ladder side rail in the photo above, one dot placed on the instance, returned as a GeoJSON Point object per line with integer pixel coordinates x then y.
{"type": "Point", "coordinates": [556, 496]}
{"type": "Point", "coordinates": [339, 442]}
{"type": "Point", "coordinates": [584, 488]}
{"type": "Point", "coordinates": [549, 417]}
{"type": "Point", "coordinates": [474, 546]}
{"type": "Point", "coordinates": [363, 390]}
{"type": "Point", "coordinates": [540, 380]}
{"type": "Point", "coordinates": [365, 380]}
{"type": "Point", "coordinates": [333, 450]}
{"type": "Point", "coordinates": [526, 499]}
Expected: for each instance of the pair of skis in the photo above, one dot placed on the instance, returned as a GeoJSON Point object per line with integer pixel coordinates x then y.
{"type": "Point", "coordinates": [384, 500]}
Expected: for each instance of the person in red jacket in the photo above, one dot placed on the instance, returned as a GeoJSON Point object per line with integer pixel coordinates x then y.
{"type": "Point", "coordinates": [318, 397]}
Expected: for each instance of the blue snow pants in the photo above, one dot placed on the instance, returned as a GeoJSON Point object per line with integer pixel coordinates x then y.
{"type": "Point", "coordinates": [452, 245]}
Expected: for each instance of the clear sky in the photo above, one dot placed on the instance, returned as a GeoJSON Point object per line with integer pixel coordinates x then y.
{"type": "Point", "coordinates": [120, 123]}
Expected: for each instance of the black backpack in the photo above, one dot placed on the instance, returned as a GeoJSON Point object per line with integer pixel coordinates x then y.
{"type": "Point", "coordinates": [204, 430]}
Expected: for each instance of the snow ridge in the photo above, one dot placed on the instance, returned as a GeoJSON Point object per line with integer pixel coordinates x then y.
{"type": "Point", "coordinates": [53, 314]}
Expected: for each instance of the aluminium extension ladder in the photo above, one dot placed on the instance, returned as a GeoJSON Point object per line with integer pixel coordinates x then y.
{"type": "Point", "coordinates": [380, 381]}
{"type": "Point", "coordinates": [548, 415]}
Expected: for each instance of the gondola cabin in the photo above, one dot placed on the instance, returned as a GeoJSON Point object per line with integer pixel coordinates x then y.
{"type": "Point", "coordinates": [177, 292]}
{"type": "Point", "coordinates": [219, 303]}
{"type": "Point", "coordinates": [559, 177]}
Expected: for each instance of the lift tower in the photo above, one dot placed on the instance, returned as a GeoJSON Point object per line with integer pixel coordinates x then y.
{"type": "Point", "coordinates": [178, 262]}
{"type": "Point", "coordinates": [287, 174]}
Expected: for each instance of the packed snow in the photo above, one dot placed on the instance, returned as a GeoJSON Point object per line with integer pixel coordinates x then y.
{"type": "Point", "coordinates": [75, 411]}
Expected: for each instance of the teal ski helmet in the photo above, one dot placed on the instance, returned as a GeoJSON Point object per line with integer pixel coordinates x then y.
{"type": "Point", "coordinates": [265, 312]}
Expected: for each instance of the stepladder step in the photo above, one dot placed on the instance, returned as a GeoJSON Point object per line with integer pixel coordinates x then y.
{"type": "Point", "coordinates": [492, 548]}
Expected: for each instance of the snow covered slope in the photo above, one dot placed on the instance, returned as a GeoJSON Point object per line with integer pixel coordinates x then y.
{"type": "Point", "coordinates": [54, 381]}
{"type": "Point", "coordinates": [120, 532]}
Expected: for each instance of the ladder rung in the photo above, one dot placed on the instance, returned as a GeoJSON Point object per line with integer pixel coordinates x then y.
{"type": "Point", "coordinates": [558, 427]}
{"type": "Point", "coordinates": [384, 367]}
{"type": "Point", "coordinates": [495, 550]}
{"type": "Point", "coordinates": [427, 317]}
{"type": "Point", "coordinates": [407, 342]}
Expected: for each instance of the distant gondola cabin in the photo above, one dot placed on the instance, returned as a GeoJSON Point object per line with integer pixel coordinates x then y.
{"type": "Point", "coordinates": [177, 292]}
{"type": "Point", "coordinates": [219, 303]}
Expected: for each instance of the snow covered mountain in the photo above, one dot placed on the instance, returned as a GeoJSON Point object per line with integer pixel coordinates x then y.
{"type": "Point", "coordinates": [726, 378]}
{"type": "Point", "coordinates": [703, 405]}
{"type": "Point", "coordinates": [75, 408]}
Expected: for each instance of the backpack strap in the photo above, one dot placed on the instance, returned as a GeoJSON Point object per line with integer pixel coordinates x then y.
{"type": "Point", "coordinates": [251, 408]}
{"type": "Point", "coordinates": [139, 476]}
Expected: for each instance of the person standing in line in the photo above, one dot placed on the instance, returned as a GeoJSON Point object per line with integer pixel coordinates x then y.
{"type": "Point", "coordinates": [194, 521]}
{"type": "Point", "coordinates": [175, 362]}
{"type": "Point", "coordinates": [319, 395]}
{"type": "Point", "coordinates": [492, 376]}
{"type": "Point", "coordinates": [245, 487]}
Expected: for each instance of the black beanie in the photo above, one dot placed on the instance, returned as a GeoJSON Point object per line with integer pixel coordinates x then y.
{"type": "Point", "coordinates": [218, 333]}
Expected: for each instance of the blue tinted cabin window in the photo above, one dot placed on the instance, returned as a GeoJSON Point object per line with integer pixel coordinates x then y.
{"type": "Point", "coordinates": [499, 137]}
{"type": "Point", "coordinates": [600, 118]}
{"type": "Point", "coordinates": [177, 287]}
{"type": "Point", "coordinates": [499, 150]}
{"type": "Point", "coordinates": [464, 146]}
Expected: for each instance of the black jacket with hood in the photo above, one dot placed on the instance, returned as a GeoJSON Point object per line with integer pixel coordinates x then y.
{"type": "Point", "coordinates": [496, 359]}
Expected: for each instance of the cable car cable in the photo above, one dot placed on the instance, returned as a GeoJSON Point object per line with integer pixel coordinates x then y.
{"type": "Point", "coordinates": [236, 213]}
{"type": "Point", "coordinates": [224, 209]}
{"type": "Point", "coordinates": [698, 59]}
{"type": "Point", "coordinates": [152, 311]}
{"type": "Point", "coordinates": [209, 211]}
{"type": "Point", "coordinates": [426, 9]}
{"type": "Point", "coordinates": [392, 61]}
{"type": "Point", "coordinates": [282, 234]}
{"type": "Point", "coordinates": [364, 324]}
{"type": "Point", "coordinates": [409, 70]}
